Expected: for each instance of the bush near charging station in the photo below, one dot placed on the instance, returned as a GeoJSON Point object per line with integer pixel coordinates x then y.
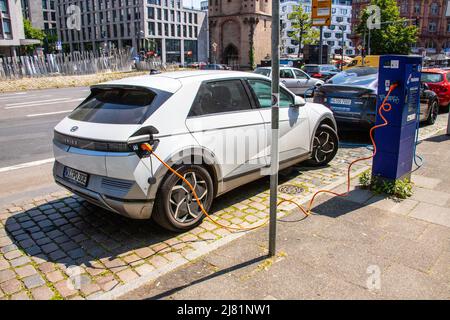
{"type": "Point", "coordinates": [401, 189]}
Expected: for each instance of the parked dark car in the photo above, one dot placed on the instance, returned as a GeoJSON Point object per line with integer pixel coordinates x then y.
{"type": "Point", "coordinates": [352, 96]}
{"type": "Point", "coordinates": [321, 71]}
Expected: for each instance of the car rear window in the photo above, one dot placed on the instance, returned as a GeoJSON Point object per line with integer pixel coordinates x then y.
{"type": "Point", "coordinates": [432, 77]}
{"type": "Point", "coordinates": [264, 72]}
{"type": "Point", "coordinates": [356, 76]}
{"type": "Point", "coordinates": [119, 105]}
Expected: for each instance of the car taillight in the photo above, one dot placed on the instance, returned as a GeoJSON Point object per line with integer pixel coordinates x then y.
{"type": "Point", "coordinates": [319, 97]}
{"type": "Point", "coordinates": [317, 75]}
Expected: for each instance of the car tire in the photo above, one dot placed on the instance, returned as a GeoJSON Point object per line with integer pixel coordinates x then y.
{"type": "Point", "coordinates": [175, 206]}
{"type": "Point", "coordinates": [433, 113]}
{"type": "Point", "coordinates": [325, 146]}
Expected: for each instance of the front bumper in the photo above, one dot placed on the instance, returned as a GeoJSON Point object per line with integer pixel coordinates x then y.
{"type": "Point", "coordinates": [110, 194]}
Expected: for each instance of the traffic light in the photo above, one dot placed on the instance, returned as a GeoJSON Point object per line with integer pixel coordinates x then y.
{"type": "Point", "coordinates": [363, 52]}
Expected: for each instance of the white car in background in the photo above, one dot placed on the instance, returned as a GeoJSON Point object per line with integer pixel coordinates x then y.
{"type": "Point", "coordinates": [294, 79]}
{"type": "Point", "coordinates": [214, 127]}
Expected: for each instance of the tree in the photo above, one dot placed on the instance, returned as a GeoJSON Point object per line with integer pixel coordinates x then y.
{"type": "Point", "coordinates": [32, 33]}
{"type": "Point", "coordinates": [303, 32]}
{"type": "Point", "coordinates": [395, 35]}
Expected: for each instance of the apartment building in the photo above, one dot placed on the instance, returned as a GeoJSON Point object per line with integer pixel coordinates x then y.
{"type": "Point", "coordinates": [336, 35]}
{"type": "Point", "coordinates": [434, 22]}
{"type": "Point", "coordinates": [42, 14]}
{"type": "Point", "coordinates": [175, 33]}
{"type": "Point", "coordinates": [12, 35]}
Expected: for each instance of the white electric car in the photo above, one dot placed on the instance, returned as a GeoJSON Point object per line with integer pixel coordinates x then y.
{"type": "Point", "coordinates": [213, 127]}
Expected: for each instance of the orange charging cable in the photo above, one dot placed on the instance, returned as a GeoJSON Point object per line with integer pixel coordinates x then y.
{"type": "Point", "coordinates": [385, 107]}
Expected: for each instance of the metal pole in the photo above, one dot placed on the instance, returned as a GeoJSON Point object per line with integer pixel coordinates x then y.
{"type": "Point", "coordinates": [274, 155]}
{"type": "Point", "coordinates": [320, 45]}
{"type": "Point", "coordinates": [368, 44]}
{"type": "Point", "coordinates": [448, 125]}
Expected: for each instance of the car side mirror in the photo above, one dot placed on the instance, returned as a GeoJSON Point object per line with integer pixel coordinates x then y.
{"type": "Point", "coordinates": [298, 102]}
{"type": "Point", "coordinates": [426, 86]}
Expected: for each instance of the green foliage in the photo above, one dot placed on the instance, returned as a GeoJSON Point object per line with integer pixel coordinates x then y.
{"type": "Point", "coordinates": [391, 38]}
{"type": "Point", "coordinates": [401, 189]}
{"type": "Point", "coordinates": [303, 32]}
{"type": "Point", "coordinates": [31, 32]}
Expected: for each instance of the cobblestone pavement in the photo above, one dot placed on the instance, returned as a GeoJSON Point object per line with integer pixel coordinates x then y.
{"type": "Point", "coordinates": [61, 247]}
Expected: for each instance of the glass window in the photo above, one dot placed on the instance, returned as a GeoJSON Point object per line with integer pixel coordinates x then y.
{"type": "Point", "coordinates": [263, 92]}
{"type": "Point", "coordinates": [300, 74]}
{"type": "Point", "coordinates": [220, 96]}
{"type": "Point", "coordinates": [431, 77]}
{"type": "Point", "coordinates": [263, 71]}
{"type": "Point", "coordinates": [119, 106]}
{"type": "Point", "coordinates": [286, 74]}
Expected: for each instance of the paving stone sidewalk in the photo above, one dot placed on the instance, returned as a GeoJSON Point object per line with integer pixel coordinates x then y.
{"type": "Point", "coordinates": [61, 247]}
{"type": "Point", "coordinates": [365, 246]}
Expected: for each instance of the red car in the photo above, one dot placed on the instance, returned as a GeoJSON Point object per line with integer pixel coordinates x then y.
{"type": "Point", "coordinates": [438, 80]}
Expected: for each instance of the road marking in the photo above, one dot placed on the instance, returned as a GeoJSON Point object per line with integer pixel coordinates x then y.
{"type": "Point", "coordinates": [13, 94]}
{"type": "Point", "coordinates": [43, 104]}
{"type": "Point", "coordinates": [27, 165]}
{"type": "Point", "coordinates": [33, 102]}
{"type": "Point", "coordinates": [47, 113]}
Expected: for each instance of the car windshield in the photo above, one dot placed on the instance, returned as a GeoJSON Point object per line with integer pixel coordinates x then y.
{"type": "Point", "coordinates": [311, 69]}
{"type": "Point", "coordinates": [263, 71]}
{"type": "Point", "coordinates": [119, 105]}
{"type": "Point", "coordinates": [356, 76]}
{"type": "Point", "coordinates": [432, 77]}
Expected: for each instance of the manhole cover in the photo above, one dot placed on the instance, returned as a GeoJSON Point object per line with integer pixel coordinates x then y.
{"type": "Point", "coordinates": [290, 189]}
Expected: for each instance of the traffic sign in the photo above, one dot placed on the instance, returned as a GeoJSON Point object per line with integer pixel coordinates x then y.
{"type": "Point", "coordinates": [321, 13]}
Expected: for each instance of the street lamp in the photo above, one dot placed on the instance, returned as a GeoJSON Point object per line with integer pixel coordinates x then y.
{"type": "Point", "coordinates": [141, 35]}
{"type": "Point", "coordinates": [342, 28]}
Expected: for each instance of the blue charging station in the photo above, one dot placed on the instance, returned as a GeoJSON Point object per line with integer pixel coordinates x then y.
{"type": "Point", "coordinates": [396, 141]}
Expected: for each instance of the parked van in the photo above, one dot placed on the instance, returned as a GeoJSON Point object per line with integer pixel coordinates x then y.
{"type": "Point", "coordinates": [369, 61]}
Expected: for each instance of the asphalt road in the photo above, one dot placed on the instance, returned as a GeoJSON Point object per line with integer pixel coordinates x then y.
{"type": "Point", "coordinates": [27, 120]}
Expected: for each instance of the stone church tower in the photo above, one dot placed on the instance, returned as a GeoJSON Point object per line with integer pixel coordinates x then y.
{"type": "Point", "coordinates": [237, 26]}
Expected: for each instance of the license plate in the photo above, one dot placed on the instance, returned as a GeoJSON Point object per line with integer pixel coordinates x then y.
{"type": "Point", "coordinates": [76, 176]}
{"type": "Point", "coordinates": [341, 101]}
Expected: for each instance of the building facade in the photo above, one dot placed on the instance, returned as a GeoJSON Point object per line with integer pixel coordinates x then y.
{"type": "Point", "coordinates": [42, 14]}
{"type": "Point", "coordinates": [434, 22]}
{"type": "Point", "coordinates": [11, 27]}
{"type": "Point", "coordinates": [335, 36]}
{"type": "Point", "coordinates": [240, 32]}
{"type": "Point", "coordinates": [175, 33]}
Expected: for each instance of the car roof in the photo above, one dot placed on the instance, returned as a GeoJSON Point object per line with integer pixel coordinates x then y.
{"type": "Point", "coordinates": [173, 81]}
{"type": "Point", "coordinates": [434, 70]}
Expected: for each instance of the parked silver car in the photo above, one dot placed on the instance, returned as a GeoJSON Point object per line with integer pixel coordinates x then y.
{"type": "Point", "coordinates": [294, 79]}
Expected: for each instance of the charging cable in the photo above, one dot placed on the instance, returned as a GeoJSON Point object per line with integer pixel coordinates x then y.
{"type": "Point", "coordinates": [384, 107]}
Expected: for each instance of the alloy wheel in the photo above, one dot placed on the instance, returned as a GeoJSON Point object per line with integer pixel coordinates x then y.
{"type": "Point", "coordinates": [183, 205]}
{"type": "Point", "coordinates": [324, 146]}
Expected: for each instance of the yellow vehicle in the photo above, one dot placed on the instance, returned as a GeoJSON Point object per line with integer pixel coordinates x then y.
{"type": "Point", "coordinates": [369, 61]}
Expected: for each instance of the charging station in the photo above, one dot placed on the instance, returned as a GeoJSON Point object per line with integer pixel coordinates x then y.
{"type": "Point", "coordinates": [396, 141]}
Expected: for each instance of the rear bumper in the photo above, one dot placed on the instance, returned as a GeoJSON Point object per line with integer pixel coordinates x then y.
{"type": "Point", "coordinates": [110, 194]}
{"type": "Point", "coordinates": [349, 123]}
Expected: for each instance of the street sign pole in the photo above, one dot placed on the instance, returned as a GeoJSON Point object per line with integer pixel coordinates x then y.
{"type": "Point", "coordinates": [274, 155]}
{"type": "Point", "coordinates": [321, 45]}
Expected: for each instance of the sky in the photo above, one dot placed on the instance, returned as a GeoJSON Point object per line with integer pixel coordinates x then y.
{"type": "Point", "coordinates": [189, 3]}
